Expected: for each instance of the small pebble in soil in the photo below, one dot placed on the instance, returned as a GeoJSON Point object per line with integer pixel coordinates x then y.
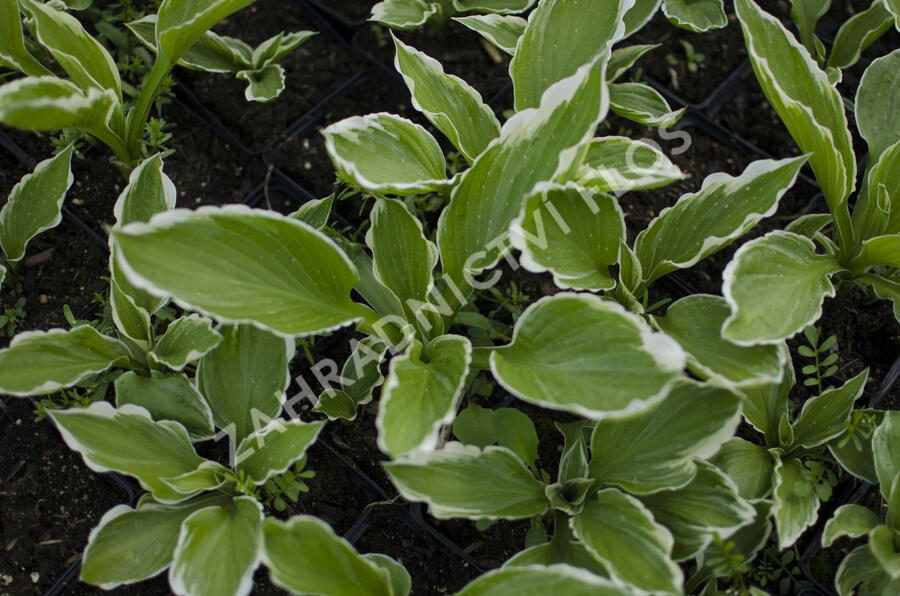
{"type": "Point", "coordinates": [35, 577]}
{"type": "Point", "coordinates": [5, 579]}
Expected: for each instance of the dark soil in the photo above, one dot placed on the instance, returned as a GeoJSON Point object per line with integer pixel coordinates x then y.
{"type": "Point", "coordinates": [314, 69]}
{"type": "Point", "coordinates": [351, 11]}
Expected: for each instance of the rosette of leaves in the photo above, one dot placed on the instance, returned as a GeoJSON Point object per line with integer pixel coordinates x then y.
{"type": "Point", "coordinates": [799, 266]}
{"type": "Point", "coordinates": [89, 99]}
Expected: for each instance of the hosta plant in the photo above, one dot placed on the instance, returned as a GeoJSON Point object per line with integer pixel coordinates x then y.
{"type": "Point", "coordinates": [800, 266]}
{"type": "Point", "coordinates": [90, 99]}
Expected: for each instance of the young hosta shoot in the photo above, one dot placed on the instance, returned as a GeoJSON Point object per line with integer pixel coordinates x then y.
{"type": "Point", "coordinates": [784, 267]}
{"type": "Point", "coordinates": [408, 14]}
{"type": "Point", "coordinates": [90, 99]}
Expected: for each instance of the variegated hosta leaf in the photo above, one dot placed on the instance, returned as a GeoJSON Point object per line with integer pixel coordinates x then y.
{"type": "Point", "coordinates": [534, 145]}
{"type": "Point", "coordinates": [540, 579]}
{"type": "Point", "coordinates": [305, 556]}
{"type": "Point", "coordinates": [806, 14]}
{"type": "Point", "coordinates": [572, 232]}
{"type": "Point", "coordinates": [508, 427]}
{"type": "Point", "coordinates": [502, 31]}
{"type": "Point", "coordinates": [493, 6]}
{"type": "Point", "coordinates": [243, 265]}
{"type": "Point", "coordinates": [619, 163]}
{"type": "Point", "coordinates": [244, 378]}
{"type": "Point", "coordinates": [861, 568]}
{"type": "Point", "coordinates": [795, 503]}
{"type": "Point", "coordinates": [141, 299]}
{"type": "Point", "coordinates": [420, 396]}
{"type": "Point", "coordinates": [218, 550]}
{"type": "Point", "coordinates": [876, 100]}
{"type": "Point", "coordinates": [208, 476]}
{"type": "Point", "coordinates": [263, 85]}
{"type": "Point", "coordinates": [34, 203]}
{"type": "Point", "coordinates": [444, 479]}
{"type": "Point", "coordinates": [403, 259]}
{"type": "Point", "coordinates": [167, 398]}
{"type": "Point", "coordinates": [642, 104]}
{"type": "Point", "coordinates": [13, 53]}
{"type": "Point", "coordinates": [624, 58]}
{"type": "Point", "coordinates": [210, 53]}
{"type": "Point", "coordinates": [825, 416]}
{"type": "Point", "coordinates": [127, 440]}
{"type": "Point", "coordinates": [403, 14]}
{"type": "Point", "coordinates": [41, 362]}
{"type": "Point", "coordinates": [748, 541]}
{"type": "Point", "coordinates": [50, 103]}
{"type": "Point", "coordinates": [849, 520]}
{"type": "Point", "coordinates": [622, 533]}
{"type": "Point", "coordinates": [696, 15]}
{"type": "Point", "coordinates": [804, 99]}
{"type": "Point", "coordinates": [274, 448]}
{"type": "Point", "coordinates": [749, 466]}
{"type": "Point", "coordinates": [893, 7]}
{"type": "Point", "coordinates": [315, 212]}
{"type": "Point", "coordinates": [857, 33]}
{"type": "Point", "coordinates": [360, 375]}
{"type": "Point", "coordinates": [708, 505]}
{"type": "Point", "coordinates": [451, 104]}
{"type": "Point", "coordinates": [883, 184]}
{"type": "Point", "coordinates": [704, 222]}
{"type": "Point", "coordinates": [130, 545]}
{"type": "Point", "coordinates": [149, 192]}
{"type": "Point", "coordinates": [582, 354]}
{"type": "Point", "coordinates": [559, 552]}
{"type": "Point", "coordinates": [180, 24]}
{"type": "Point", "coordinates": [655, 450]}
{"type": "Point", "coordinates": [695, 322]}
{"type": "Point", "coordinates": [857, 457]}
{"type": "Point", "coordinates": [561, 36]}
{"type": "Point", "coordinates": [186, 339]}
{"type": "Point", "coordinates": [775, 286]}
{"type": "Point", "coordinates": [882, 543]}
{"type": "Point", "coordinates": [886, 448]}
{"type": "Point", "coordinates": [638, 15]}
{"type": "Point", "coordinates": [386, 154]}
{"type": "Point", "coordinates": [83, 58]}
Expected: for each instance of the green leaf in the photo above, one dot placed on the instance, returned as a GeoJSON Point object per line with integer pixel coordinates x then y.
{"type": "Point", "coordinates": [766, 404]}
{"type": "Point", "coordinates": [775, 286]}
{"type": "Point", "coordinates": [695, 322]}
{"type": "Point", "coordinates": [858, 33]}
{"type": "Point", "coordinates": [305, 556]}
{"type": "Point", "coordinates": [886, 448]}
{"type": "Point", "coordinates": [451, 104]}
{"type": "Point", "coordinates": [139, 298]}
{"type": "Point", "coordinates": [541, 579]}
{"type": "Point", "coordinates": [805, 14]}
{"type": "Point", "coordinates": [877, 209]}
{"type": "Point", "coordinates": [149, 192]}
{"type": "Point", "coordinates": [278, 46]}
{"type": "Point", "coordinates": [34, 203]}
{"type": "Point", "coordinates": [882, 543]}
{"type": "Point", "coordinates": [127, 440]}
{"type": "Point", "coordinates": [622, 534]}
{"type": "Point", "coordinates": [245, 378]}
{"type": "Point", "coordinates": [748, 465]}
{"type": "Point", "coordinates": [825, 416]}
{"type": "Point", "coordinates": [186, 339]}
{"type": "Point", "coordinates": [210, 53]}
{"type": "Point", "coordinates": [422, 394]}
{"type": "Point", "coordinates": [208, 476]}
{"type": "Point", "coordinates": [444, 479]}
{"type": "Point", "coordinates": [642, 104]}
{"type": "Point", "coordinates": [639, 14]}
{"type": "Point", "coordinates": [218, 550]}
{"type": "Point", "coordinates": [860, 567]}
{"type": "Point", "coordinates": [884, 289]}
{"type": "Point", "coordinates": [804, 99]}
{"type": "Point", "coordinates": [180, 24]}
{"type": "Point", "coordinates": [41, 362]}
{"type": "Point", "coordinates": [83, 58]}
{"type": "Point", "coordinates": [571, 231]}
{"type": "Point", "coordinates": [315, 212]}
{"type": "Point", "coordinates": [893, 7]}
{"type": "Point", "coordinates": [558, 552]}
{"type": "Point", "coordinates": [655, 450]}
{"type": "Point", "coordinates": [877, 98]}
{"type": "Point", "coordinates": [263, 85]}
{"type": "Point", "coordinates": [403, 259]}
{"type": "Point", "coordinates": [13, 53]}
{"type": "Point", "coordinates": [534, 145]}
{"type": "Point", "coordinates": [881, 250]}
{"type": "Point", "coordinates": [361, 373]}
{"type": "Point", "coordinates": [795, 504]}
{"type": "Point", "coordinates": [621, 60]}
{"type": "Point", "coordinates": [709, 504]}
{"type": "Point", "coordinates": [130, 545]}
{"type": "Point", "coordinates": [403, 14]}
{"type": "Point", "coordinates": [167, 398]}
{"type": "Point", "coordinates": [501, 31]}
{"type": "Point", "coordinates": [849, 520]}
{"type": "Point", "coordinates": [401, 582]}
{"type": "Point", "coordinates": [386, 154]}
{"type": "Point", "coordinates": [242, 265]}
{"type": "Point", "coordinates": [724, 209]}
{"type": "Point", "coordinates": [498, 6]}
{"type": "Point", "coordinates": [507, 427]}
{"type": "Point", "coordinates": [561, 36]}
{"type": "Point", "coordinates": [698, 16]}
{"type": "Point", "coordinates": [619, 163]}
{"type": "Point", "coordinates": [582, 354]}
{"type": "Point", "coordinates": [132, 322]}
{"type": "Point", "coordinates": [274, 448]}
{"type": "Point", "coordinates": [857, 457]}
{"type": "Point", "coordinates": [49, 103]}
